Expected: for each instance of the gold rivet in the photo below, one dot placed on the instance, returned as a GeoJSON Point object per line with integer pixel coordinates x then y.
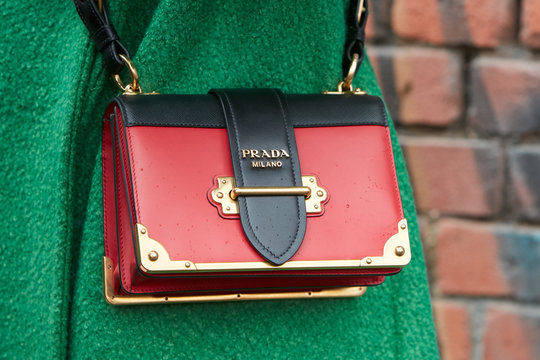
{"type": "Point", "coordinates": [316, 206]}
{"type": "Point", "coordinates": [403, 226]}
{"type": "Point", "coordinates": [368, 261]}
{"type": "Point", "coordinates": [228, 208]}
{"type": "Point", "coordinates": [143, 231]}
{"type": "Point", "coordinates": [311, 180]}
{"type": "Point", "coordinates": [219, 195]}
{"type": "Point", "coordinates": [400, 250]}
{"type": "Point", "coordinates": [153, 255]}
{"type": "Point", "coordinates": [188, 264]}
{"type": "Point", "coordinates": [223, 181]}
{"type": "Point", "coordinates": [320, 193]}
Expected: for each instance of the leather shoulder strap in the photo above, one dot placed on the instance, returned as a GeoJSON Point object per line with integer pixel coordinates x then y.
{"type": "Point", "coordinates": [103, 34]}
{"type": "Point", "coordinates": [108, 43]}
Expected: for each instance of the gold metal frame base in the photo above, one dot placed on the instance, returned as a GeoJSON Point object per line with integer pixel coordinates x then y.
{"type": "Point", "coordinates": [115, 299]}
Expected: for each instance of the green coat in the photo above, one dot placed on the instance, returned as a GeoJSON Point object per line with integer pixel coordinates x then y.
{"type": "Point", "coordinates": [53, 94]}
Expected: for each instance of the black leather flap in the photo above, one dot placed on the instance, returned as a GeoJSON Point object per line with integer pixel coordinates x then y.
{"type": "Point", "coordinates": [263, 152]}
{"type": "Point", "coordinates": [311, 110]}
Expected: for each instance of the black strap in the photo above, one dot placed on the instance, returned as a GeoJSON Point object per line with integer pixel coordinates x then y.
{"type": "Point", "coordinates": [356, 33]}
{"type": "Point", "coordinates": [103, 34]}
{"type": "Point", "coordinates": [107, 41]}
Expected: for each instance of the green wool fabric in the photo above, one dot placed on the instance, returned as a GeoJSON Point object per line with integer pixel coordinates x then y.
{"type": "Point", "coordinates": [53, 94]}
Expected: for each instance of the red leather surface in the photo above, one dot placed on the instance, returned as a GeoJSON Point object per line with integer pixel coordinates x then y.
{"type": "Point", "coordinates": [173, 169]}
{"type": "Point", "coordinates": [352, 163]}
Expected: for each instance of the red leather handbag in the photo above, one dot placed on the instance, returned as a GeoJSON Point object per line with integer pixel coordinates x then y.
{"type": "Point", "coordinates": [247, 194]}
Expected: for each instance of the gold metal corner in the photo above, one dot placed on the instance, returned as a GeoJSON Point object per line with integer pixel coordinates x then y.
{"type": "Point", "coordinates": [396, 253]}
{"type": "Point", "coordinates": [115, 299]}
{"type": "Point", "coordinates": [154, 259]}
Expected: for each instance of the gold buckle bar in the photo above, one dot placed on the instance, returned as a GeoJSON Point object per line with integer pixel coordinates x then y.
{"type": "Point", "coordinates": [270, 191]}
{"type": "Point", "coordinates": [224, 194]}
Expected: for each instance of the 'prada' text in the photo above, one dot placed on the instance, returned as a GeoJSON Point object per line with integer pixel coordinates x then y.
{"type": "Point", "coordinates": [264, 154]}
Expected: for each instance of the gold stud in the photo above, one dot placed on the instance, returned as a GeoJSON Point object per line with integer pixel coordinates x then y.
{"type": "Point", "coordinates": [403, 226]}
{"type": "Point", "coordinates": [368, 261]}
{"type": "Point", "coordinates": [400, 250]}
{"type": "Point", "coordinates": [228, 208]}
{"type": "Point", "coordinates": [188, 264]}
{"type": "Point", "coordinates": [311, 180]}
{"type": "Point", "coordinates": [223, 181]}
{"type": "Point", "coordinates": [219, 195]}
{"type": "Point", "coordinates": [153, 255]}
{"type": "Point", "coordinates": [320, 193]}
{"type": "Point", "coordinates": [143, 231]}
{"type": "Point", "coordinates": [315, 206]}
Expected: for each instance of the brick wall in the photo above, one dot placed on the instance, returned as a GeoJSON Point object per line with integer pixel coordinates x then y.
{"type": "Point", "coordinates": [462, 82]}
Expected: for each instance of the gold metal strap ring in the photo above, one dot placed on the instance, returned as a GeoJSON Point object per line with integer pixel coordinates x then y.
{"type": "Point", "coordinates": [346, 84]}
{"type": "Point", "coordinates": [133, 87]}
{"type": "Point", "coordinates": [270, 191]}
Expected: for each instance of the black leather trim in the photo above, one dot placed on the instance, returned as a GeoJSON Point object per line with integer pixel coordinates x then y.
{"type": "Point", "coordinates": [315, 110]}
{"type": "Point", "coordinates": [258, 120]}
{"type": "Point", "coordinates": [103, 34]}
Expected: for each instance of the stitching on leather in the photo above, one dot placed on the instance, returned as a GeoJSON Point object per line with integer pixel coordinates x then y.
{"type": "Point", "coordinates": [98, 18]}
{"type": "Point", "coordinates": [284, 118]}
{"type": "Point", "coordinates": [219, 126]}
{"type": "Point", "coordinates": [135, 188]}
{"type": "Point", "coordinates": [340, 124]}
{"type": "Point", "coordinates": [105, 199]}
{"type": "Point", "coordinates": [110, 48]}
{"type": "Point", "coordinates": [393, 165]}
{"type": "Point", "coordinates": [177, 124]}
{"type": "Point", "coordinates": [119, 213]}
{"type": "Point", "coordinates": [129, 178]}
{"type": "Point", "coordinates": [79, 11]}
{"type": "Point", "coordinates": [382, 109]}
{"type": "Point", "coordinates": [242, 177]}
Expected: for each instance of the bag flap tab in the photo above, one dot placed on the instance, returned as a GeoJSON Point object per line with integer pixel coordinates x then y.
{"type": "Point", "coordinates": [264, 155]}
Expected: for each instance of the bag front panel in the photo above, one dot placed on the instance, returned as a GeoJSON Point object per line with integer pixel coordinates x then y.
{"type": "Point", "coordinates": [166, 173]}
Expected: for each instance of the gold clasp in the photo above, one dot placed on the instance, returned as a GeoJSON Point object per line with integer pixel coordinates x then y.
{"type": "Point", "coordinates": [133, 87]}
{"type": "Point", "coordinates": [270, 191]}
{"type": "Point", "coordinates": [225, 194]}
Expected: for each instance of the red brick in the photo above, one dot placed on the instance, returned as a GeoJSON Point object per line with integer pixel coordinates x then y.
{"type": "Point", "coordinates": [524, 167]}
{"type": "Point", "coordinates": [485, 259]}
{"type": "Point", "coordinates": [420, 85]}
{"type": "Point", "coordinates": [467, 260]}
{"type": "Point", "coordinates": [519, 258]}
{"type": "Point", "coordinates": [481, 23]}
{"type": "Point", "coordinates": [529, 33]}
{"type": "Point", "coordinates": [453, 330]}
{"type": "Point", "coordinates": [378, 25]}
{"type": "Point", "coordinates": [455, 176]}
{"type": "Point", "coordinates": [511, 333]}
{"type": "Point", "coordinates": [505, 96]}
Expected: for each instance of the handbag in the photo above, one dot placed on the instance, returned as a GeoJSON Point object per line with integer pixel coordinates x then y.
{"type": "Point", "coordinates": [245, 194]}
